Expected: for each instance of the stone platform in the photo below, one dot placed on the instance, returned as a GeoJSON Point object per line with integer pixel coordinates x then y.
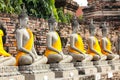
{"type": "Point", "coordinates": [85, 67]}
{"type": "Point", "coordinates": [10, 73]}
{"type": "Point", "coordinates": [115, 64]}
{"type": "Point", "coordinates": [38, 72]}
{"type": "Point", "coordinates": [64, 70]}
{"type": "Point", "coordinates": [102, 66]}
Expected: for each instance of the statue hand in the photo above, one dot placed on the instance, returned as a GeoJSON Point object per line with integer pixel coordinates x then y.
{"type": "Point", "coordinates": [62, 54]}
{"type": "Point", "coordinates": [32, 55]}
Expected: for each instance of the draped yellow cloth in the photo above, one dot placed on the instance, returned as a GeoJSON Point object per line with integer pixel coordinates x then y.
{"type": "Point", "coordinates": [79, 45]}
{"type": "Point", "coordinates": [108, 46]}
{"type": "Point", "coordinates": [96, 46]}
{"type": "Point", "coordinates": [2, 51]}
{"type": "Point", "coordinates": [57, 45]}
{"type": "Point", "coordinates": [27, 46]}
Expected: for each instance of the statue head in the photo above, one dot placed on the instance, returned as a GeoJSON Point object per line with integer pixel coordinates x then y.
{"type": "Point", "coordinates": [52, 22]}
{"type": "Point", "coordinates": [92, 27]}
{"type": "Point", "coordinates": [23, 18]}
{"type": "Point", "coordinates": [75, 24]}
{"type": "Point", "coordinates": [104, 28]}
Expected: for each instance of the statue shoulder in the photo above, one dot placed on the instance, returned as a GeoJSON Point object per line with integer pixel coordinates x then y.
{"type": "Point", "coordinates": [73, 35]}
{"type": "Point", "coordinates": [104, 39]}
{"type": "Point", "coordinates": [91, 39]}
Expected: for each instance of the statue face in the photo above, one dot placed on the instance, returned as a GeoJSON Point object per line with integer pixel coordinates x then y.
{"type": "Point", "coordinates": [55, 25]}
{"type": "Point", "coordinates": [24, 21]}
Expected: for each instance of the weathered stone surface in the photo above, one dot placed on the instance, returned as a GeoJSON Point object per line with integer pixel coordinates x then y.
{"type": "Point", "coordinates": [87, 70]}
{"type": "Point", "coordinates": [41, 72]}
{"type": "Point", "coordinates": [114, 62]}
{"type": "Point", "coordinates": [40, 76]}
{"type": "Point", "coordinates": [115, 65]}
{"type": "Point", "coordinates": [83, 64]}
{"type": "Point", "coordinates": [66, 74]}
{"type": "Point", "coordinates": [104, 68]}
{"type": "Point", "coordinates": [64, 70]}
{"type": "Point", "coordinates": [100, 62]}
{"type": "Point", "coordinates": [85, 67]}
{"type": "Point", "coordinates": [34, 69]}
{"type": "Point", "coordinates": [69, 78]}
{"type": "Point", "coordinates": [62, 67]}
{"type": "Point", "coordinates": [10, 73]}
{"type": "Point", "coordinates": [17, 77]}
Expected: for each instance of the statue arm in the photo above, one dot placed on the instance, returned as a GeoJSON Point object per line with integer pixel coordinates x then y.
{"type": "Point", "coordinates": [72, 44]}
{"type": "Point", "coordinates": [49, 43]}
{"type": "Point", "coordinates": [104, 46]}
{"type": "Point", "coordinates": [91, 43]}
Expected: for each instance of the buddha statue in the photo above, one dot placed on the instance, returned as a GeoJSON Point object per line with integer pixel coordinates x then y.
{"type": "Point", "coordinates": [25, 43]}
{"type": "Point", "coordinates": [54, 51]}
{"type": "Point", "coordinates": [93, 45]}
{"type": "Point", "coordinates": [6, 59]}
{"type": "Point", "coordinates": [105, 44]}
{"type": "Point", "coordinates": [76, 49]}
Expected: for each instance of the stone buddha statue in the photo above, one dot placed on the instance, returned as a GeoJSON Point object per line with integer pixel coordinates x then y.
{"type": "Point", "coordinates": [54, 48]}
{"type": "Point", "coordinates": [25, 43]}
{"type": "Point", "coordinates": [76, 49]}
{"type": "Point", "coordinates": [105, 44]}
{"type": "Point", "coordinates": [93, 45]}
{"type": "Point", "coordinates": [6, 59]}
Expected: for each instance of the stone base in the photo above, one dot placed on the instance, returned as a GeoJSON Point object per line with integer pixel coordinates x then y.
{"type": "Point", "coordinates": [41, 72]}
{"type": "Point", "coordinates": [64, 70]}
{"type": "Point", "coordinates": [114, 62]}
{"type": "Point", "coordinates": [87, 70]}
{"type": "Point", "coordinates": [10, 73]}
{"type": "Point", "coordinates": [102, 66]}
{"type": "Point", "coordinates": [62, 67]}
{"type": "Point", "coordinates": [100, 62]}
{"type": "Point", "coordinates": [69, 78]}
{"type": "Point", "coordinates": [40, 76]}
{"type": "Point", "coordinates": [85, 67]}
{"type": "Point", "coordinates": [66, 74]}
{"type": "Point", "coordinates": [115, 65]}
{"type": "Point", "coordinates": [17, 77]}
{"type": "Point", "coordinates": [103, 69]}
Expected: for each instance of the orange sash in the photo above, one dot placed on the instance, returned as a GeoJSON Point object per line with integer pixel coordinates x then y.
{"type": "Point", "coordinates": [79, 45]}
{"type": "Point", "coordinates": [2, 51]}
{"type": "Point", "coordinates": [27, 46]}
{"type": "Point", "coordinates": [96, 46]}
{"type": "Point", "coordinates": [108, 47]}
{"type": "Point", "coordinates": [57, 45]}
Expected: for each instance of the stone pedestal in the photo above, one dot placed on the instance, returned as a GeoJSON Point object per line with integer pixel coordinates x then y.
{"type": "Point", "coordinates": [85, 67]}
{"type": "Point", "coordinates": [38, 72]}
{"type": "Point", "coordinates": [10, 73]}
{"type": "Point", "coordinates": [64, 70]}
{"type": "Point", "coordinates": [102, 66]}
{"type": "Point", "coordinates": [115, 64]}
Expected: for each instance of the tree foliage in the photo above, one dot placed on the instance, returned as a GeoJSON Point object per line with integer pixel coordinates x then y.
{"type": "Point", "coordinates": [36, 8]}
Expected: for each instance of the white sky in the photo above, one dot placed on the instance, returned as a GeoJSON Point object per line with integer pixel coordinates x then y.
{"type": "Point", "coordinates": [82, 2]}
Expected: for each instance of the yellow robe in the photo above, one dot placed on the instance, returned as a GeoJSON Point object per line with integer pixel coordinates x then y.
{"type": "Point", "coordinates": [79, 45]}
{"type": "Point", "coordinates": [96, 46]}
{"type": "Point", "coordinates": [108, 47]}
{"type": "Point", "coordinates": [57, 45]}
{"type": "Point", "coordinates": [2, 51]}
{"type": "Point", "coordinates": [27, 46]}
